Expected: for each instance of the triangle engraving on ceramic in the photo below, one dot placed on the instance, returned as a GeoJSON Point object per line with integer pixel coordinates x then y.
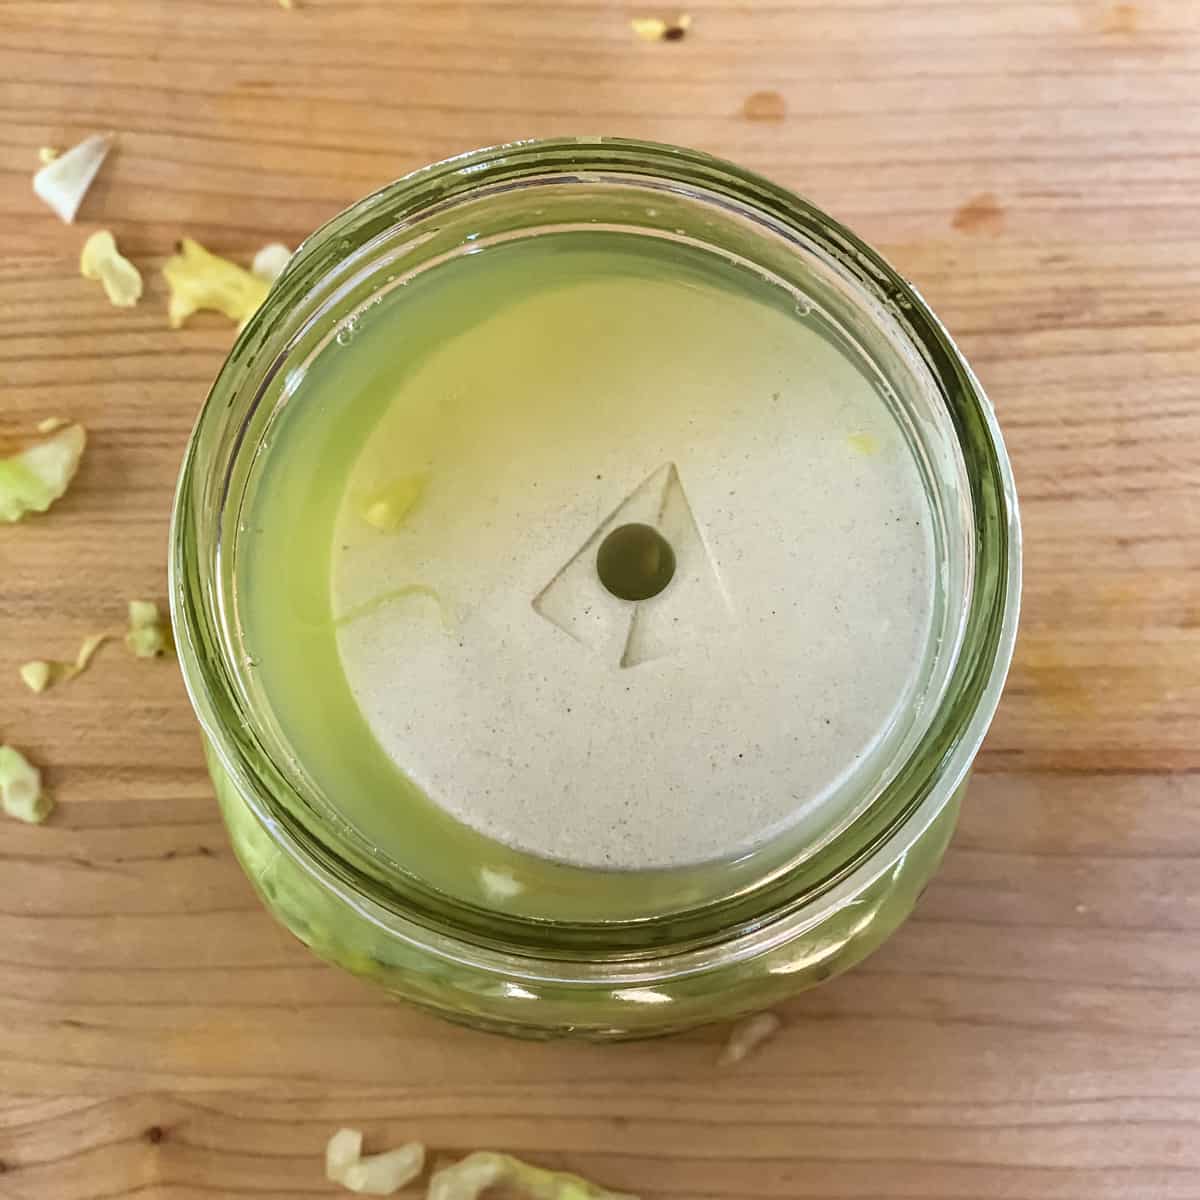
{"type": "Point", "coordinates": [625, 633]}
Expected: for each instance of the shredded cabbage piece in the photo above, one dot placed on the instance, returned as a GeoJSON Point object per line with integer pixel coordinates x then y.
{"type": "Point", "coordinates": [500, 884]}
{"type": "Point", "coordinates": [383, 1174]}
{"type": "Point", "coordinates": [649, 29]}
{"type": "Point", "coordinates": [747, 1035]}
{"type": "Point", "coordinates": [102, 260]}
{"type": "Point", "coordinates": [142, 612]}
{"type": "Point", "coordinates": [199, 279]}
{"type": "Point", "coordinates": [864, 443]}
{"type": "Point", "coordinates": [342, 1150]}
{"type": "Point", "coordinates": [387, 508]}
{"type": "Point", "coordinates": [32, 480]}
{"type": "Point", "coordinates": [52, 424]}
{"type": "Point", "coordinates": [269, 262]}
{"type": "Point", "coordinates": [41, 674]}
{"type": "Point", "coordinates": [470, 1178]}
{"type": "Point", "coordinates": [655, 29]}
{"type": "Point", "coordinates": [147, 636]}
{"type": "Point", "coordinates": [47, 154]}
{"type": "Point", "coordinates": [36, 675]}
{"type": "Point", "coordinates": [64, 181]}
{"type": "Point", "coordinates": [88, 649]}
{"type": "Point", "coordinates": [21, 794]}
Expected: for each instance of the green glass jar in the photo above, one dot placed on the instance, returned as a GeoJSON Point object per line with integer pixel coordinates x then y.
{"type": "Point", "coordinates": [594, 572]}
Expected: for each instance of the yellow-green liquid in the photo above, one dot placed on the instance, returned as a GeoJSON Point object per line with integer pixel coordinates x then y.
{"type": "Point", "coordinates": [458, 685]}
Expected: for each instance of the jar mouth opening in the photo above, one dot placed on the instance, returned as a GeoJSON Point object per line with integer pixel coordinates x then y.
{"type": "Point", "coordinates": [319, 278]}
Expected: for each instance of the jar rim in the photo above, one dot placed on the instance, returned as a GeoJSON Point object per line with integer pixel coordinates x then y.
{"type": "Point", "coordinates": [978, 674]}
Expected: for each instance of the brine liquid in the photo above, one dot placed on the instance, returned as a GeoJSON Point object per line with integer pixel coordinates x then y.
{"type": "Point", "coordinates": [421, 587]}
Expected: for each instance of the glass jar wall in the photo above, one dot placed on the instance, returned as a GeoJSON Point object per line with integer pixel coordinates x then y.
{"type": "Point", "coordinates": [594, 572]}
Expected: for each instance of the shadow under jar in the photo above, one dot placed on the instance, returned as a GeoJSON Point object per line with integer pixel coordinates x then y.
{"type": "Point", "coordinates": [594, 571]}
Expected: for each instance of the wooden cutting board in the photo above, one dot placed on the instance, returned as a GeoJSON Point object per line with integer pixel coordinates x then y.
{"type": "Point", "coordinates": [1033, 1033]}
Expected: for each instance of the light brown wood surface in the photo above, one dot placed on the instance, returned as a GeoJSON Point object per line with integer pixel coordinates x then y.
{"type": "Point", "coordinates": [1034, 1032]}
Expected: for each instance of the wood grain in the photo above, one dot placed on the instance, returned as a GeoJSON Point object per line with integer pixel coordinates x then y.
{"type": "Point", "coordinates": [1034, 1032]}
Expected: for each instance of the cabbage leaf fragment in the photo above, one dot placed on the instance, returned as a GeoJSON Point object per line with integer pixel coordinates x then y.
{"type": "Point", "coordinates": [373, 1174]}
{"type": "Point", "coordinates": [33, 479]}
{"type": "Point", "coordinates": [383, 1174]}
{"type": "Point", "coordinates": [21, 794]}
{"type": "Point", "coordinates": [147, 636]}
{"type": "Point", "coordinates": [101, 260]}
{"type": "Point", "coordinates": [655, 29]}
{"type": "Point", "coordinates": [199, 280]}
{"type": "Point", "coordinates": [43, 673]}
{"type": "Point", "coordinates": [342, 1150]}
{"type": "Point", "coordinates": [269, 262]}
{"type": "Point", "coordinates": [64, 181]}
{"type": "Point", "coordinates": [470, 1178]}
{"type": "Point", "coordinates": [387, 508]}
{"type": "Point", "coordinates": [747, 1035]}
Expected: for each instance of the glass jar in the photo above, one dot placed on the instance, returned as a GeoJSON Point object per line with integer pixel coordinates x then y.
{"type": "Point", "coordinates": [799, 917]}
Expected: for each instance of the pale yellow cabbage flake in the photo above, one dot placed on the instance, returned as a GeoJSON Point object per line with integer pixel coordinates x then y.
{"type": "Point", "coordinates": [863, 443]}
{"type": "Point", "coordinates": [387, 508]}
{"type": "Point", "coordinates": [101, 260]}
{"type": "Point", "coordinates": [470, 1178]}
{"type": "Point", "coordinates": [649, 29]}
{"type": "Point", "coordinates": [384, 1174]}
{"type": "Point", "coordinates": [747, 1035]}
{"type": "Point", "coordinates": [64, 181]}
{"type": "Point", "coordinates": [372, 1174]}
{"type": "Point", "coordinates": [148, 636]}
{"type": "Point", "coordinates": [500, 884]}
{"type": "Point", "coordinates": [41, 674]}
{"type": "Point", "coordinates": [32, 480]}
{"type": "Point", "coordinates": [87, 650]}
{"type": "Point", "coordinates": [47, 154]}
{"type": "Point", "coordinates": [656, 29]}
{"type": "Point", "coordinates": [201, 280]}
{"type": "Point", "coordinates": [269, 262]}
{"type": "Point", "coordinates": [36, 676]}
{"type": "Point", "coordinates": [21, 794]}
{"type": "Point", "coordinates": [342, 1150]}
